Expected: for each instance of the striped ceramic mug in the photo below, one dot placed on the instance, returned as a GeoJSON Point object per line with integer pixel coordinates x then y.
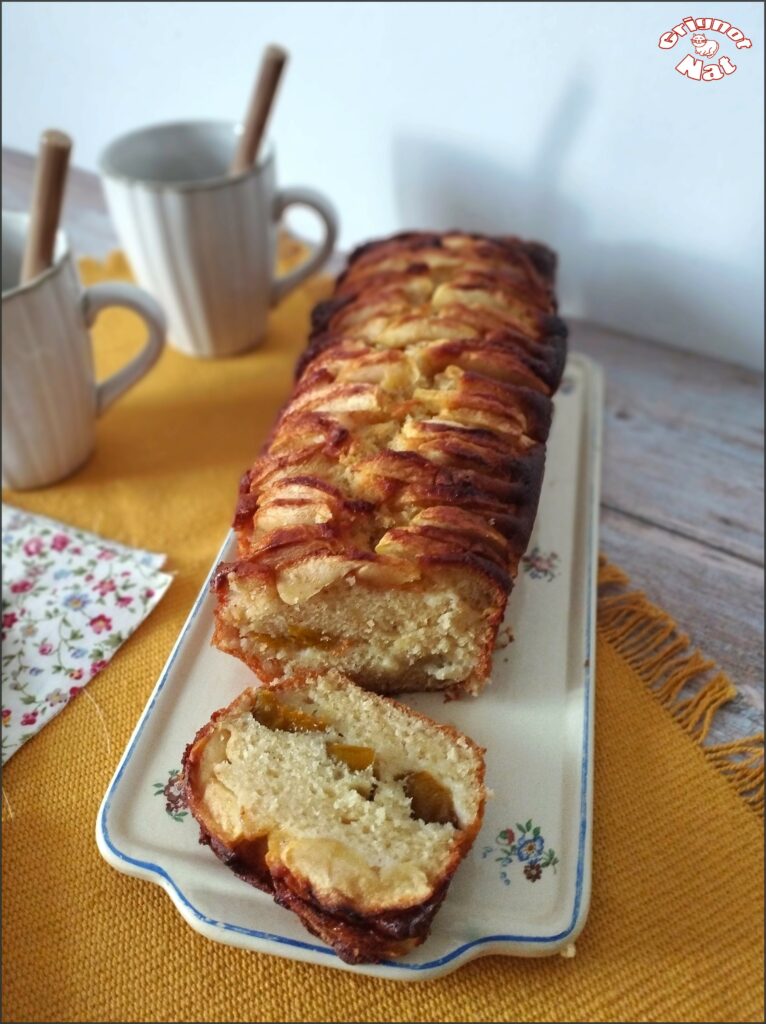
{"type": "Point", "coordinates": [50, 398]}
{"type": "Point", "coordinates": [202, 241]}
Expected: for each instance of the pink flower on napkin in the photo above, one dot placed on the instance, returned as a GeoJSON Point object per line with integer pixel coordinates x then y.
{"type": "Point", "coordinates": [100, 623]}
{"type": "Point", "coordinates": [33, 547]}
{"type": "Point", "coordinates": [59, 542]}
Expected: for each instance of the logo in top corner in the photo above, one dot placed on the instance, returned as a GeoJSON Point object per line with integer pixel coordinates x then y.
{"type": "Point", "coordinates": [697, 64]}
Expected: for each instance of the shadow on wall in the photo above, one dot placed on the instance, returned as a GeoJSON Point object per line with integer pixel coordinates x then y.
{"type": "Point", "coordinates": [442, 185]}
{"type": "Point", "coordinates": [669, 295]}
{"type": "Point", "coordinates": [687, 300]}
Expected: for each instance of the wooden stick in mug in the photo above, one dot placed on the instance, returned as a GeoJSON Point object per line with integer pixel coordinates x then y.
{"type": "Point", "coordinates": [47, 197]}
{"type": "Point", "coordinates": [261, 101]}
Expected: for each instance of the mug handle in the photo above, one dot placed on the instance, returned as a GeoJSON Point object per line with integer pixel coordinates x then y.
{"type": "Point", "coordinates": [113, 293]}
{"type": "Point", "coordinates": [305, 197]}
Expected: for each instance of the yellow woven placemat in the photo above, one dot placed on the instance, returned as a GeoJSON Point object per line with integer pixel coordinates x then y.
{"type": "Point", "coordinates": [675, 930]}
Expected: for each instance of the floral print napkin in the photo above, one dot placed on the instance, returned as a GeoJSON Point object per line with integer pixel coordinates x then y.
{"type": "Point", "coordinates": [70, 600]}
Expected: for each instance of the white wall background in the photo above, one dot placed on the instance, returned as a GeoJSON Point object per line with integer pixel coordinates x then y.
{"type": "Point", "coordinates": [561, 121]}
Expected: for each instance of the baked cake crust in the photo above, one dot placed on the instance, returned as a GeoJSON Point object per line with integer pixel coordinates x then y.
{"type": "Point", "coordinates": [408, 461]}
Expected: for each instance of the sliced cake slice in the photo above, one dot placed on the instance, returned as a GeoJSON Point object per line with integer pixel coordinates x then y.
{"type": "Point", "coordinates": [352, 810]}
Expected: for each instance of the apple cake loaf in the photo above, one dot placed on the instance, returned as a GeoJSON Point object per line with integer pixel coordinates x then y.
{"type": "Point", "coordinates": [350, 809]}
{"type": "Point", "coordinates": [381, 528]}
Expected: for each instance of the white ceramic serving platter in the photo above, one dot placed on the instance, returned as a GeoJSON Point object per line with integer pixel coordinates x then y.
{"type": "Point", "coordinates": [524, 889]}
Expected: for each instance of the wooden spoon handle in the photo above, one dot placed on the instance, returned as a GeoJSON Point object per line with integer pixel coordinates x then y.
{"type": "Point", "coordinates": [272, 65]}
{"type": "Point", "coordinates": [47, 197]}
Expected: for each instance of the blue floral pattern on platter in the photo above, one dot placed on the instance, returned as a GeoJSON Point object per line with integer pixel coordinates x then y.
{"type": "Point", "coordinates": [525, 845]}
{"type": "Point", "coordinates": [541, 565]}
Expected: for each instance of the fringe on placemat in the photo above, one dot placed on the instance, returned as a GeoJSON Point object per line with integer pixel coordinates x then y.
{"type": "Point", "coordinates": [689, 685]}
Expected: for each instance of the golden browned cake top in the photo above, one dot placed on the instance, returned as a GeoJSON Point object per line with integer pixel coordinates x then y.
{"type": "Point", "coordinates": [416, 432]}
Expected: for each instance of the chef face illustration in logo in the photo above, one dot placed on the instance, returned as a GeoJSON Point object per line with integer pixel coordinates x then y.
{"type": "Point", "coordinates": [705, 47]}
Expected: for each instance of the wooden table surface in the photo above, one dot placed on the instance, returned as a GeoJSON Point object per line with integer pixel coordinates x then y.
{"type": "Point", "coordinates": [682, 491]}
